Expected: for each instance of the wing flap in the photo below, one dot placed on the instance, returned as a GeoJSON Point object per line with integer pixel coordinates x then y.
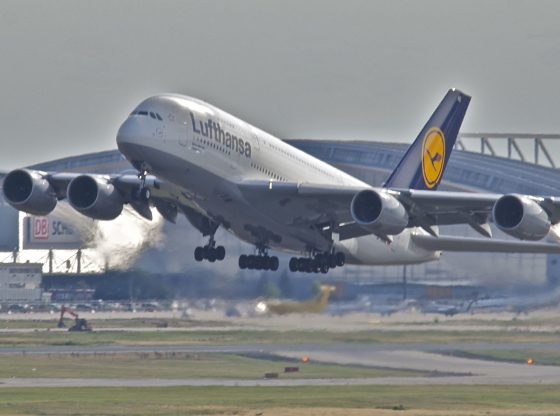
{"type": "Point", "coordinates": [304, 203]}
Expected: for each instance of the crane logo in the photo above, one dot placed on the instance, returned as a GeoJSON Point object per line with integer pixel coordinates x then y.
{"type": "Point", "coordinates": [433, 156]}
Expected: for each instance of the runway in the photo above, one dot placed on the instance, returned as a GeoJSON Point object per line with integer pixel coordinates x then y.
{"type": "Point", "coordinates": [350, 349]}
{"type": "Point", "coordinates": [432, 358]}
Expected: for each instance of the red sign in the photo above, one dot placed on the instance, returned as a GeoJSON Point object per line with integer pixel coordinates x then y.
{"type": "Point", "coordinates": [40, 228]}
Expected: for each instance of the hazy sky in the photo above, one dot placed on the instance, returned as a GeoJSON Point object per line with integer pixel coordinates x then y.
{"type": "Point", "coordinates": [71, 71]}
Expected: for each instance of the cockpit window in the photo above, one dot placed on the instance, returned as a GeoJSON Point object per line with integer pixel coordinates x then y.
{"type": "Point", "coordinates": [151, 114]}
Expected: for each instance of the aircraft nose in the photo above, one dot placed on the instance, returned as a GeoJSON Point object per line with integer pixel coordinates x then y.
{"type": "Point", "coordinates": [133, 138]}
{"type": "Point", "coordinates": [129, 132]}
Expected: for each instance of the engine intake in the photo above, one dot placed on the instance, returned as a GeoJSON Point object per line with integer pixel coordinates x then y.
{"type": "Point", "coordinates": [521, 217]}
{"type": "Point", "coordinates": [379, 212]}
{"type": "Point", "coordinates": [94, 197]}
{"type": "Point", "coordinates": [29, 191]}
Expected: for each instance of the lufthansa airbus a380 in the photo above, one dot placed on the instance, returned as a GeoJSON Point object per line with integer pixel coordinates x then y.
{"type": "Point", "coordinates": [222, 172]}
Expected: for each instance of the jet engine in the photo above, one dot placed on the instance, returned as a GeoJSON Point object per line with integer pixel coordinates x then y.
{"type": "Point", "coordinates": [94, 197]}
{"type": "Point", "coordinates": [29, 191]}
{"type": "Point", "coordinates": [521, 217]}
{"type": "Point", "coordinates": [379, 212]}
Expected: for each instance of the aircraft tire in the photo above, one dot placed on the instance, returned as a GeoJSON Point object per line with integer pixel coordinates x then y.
{"type": "Point", "coordinates": [242, 262]}
{"type": "Point", "coordinates": [220, 253]}
{"type": "Point", "coordinates": [340, 259]}
{"type": "Point", "coordinates": [274, 263]}
{"type": "Point", "coordinates": [293, 265]}
{"type": "Point", "coordinates": [211, 255]}
{"type": "Point", "coordinates": [199, 254]}
{"type": "Point", "coordinates": [145, 194]}
{"type": "Point", "coordinates": [265, 262]}
{"type": "Point", "coordinates": [251, 263]}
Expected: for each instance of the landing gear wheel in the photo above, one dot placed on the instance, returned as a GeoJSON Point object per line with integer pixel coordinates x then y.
{"type": "Point", "coordinates": [220, 253]}
{"type": "Point", "coordinates": [243, 262]}
{"type": "Point", "coordinates": [263, 263]}
{"type": "Point", "coordinates": [211, 255]}
{"type": "Point", "coordinates": [340, 259]}
{"type": "Point", "coordinates": [144, 194]}
{"type": "Point", "coordinates": [199, 254]}
{"type": "Point", "coordinates": [293, 265]}
{"type": "Point", "coordinates": [250, 262]}
{"type": "Point", "coordinates": [274, 263]}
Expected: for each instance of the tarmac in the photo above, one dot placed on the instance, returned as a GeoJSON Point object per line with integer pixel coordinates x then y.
{"type": "Point", "coordinates": [437, 360]}
{"type": "Point", "coordinates": [442, 368]}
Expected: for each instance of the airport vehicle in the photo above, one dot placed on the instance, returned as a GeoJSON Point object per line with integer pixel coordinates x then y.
{"type": "Point", "coordinates": [222, 172]}
{"type": "Point", "coordinates": [315, 305]}
{"type": "Point", "coordinates": [80, 324]}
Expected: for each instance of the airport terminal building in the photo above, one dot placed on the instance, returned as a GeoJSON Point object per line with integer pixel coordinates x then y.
{"type": "Point", "coordinates": [372, 162]}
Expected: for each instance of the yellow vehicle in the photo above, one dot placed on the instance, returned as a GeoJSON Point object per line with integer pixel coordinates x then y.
{"type": "Point", "coordinates": [316, 304]}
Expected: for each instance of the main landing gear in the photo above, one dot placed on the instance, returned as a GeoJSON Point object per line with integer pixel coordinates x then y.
{"type": "Point", "coordinates": [210, 252]}
{"type": "Point", "coordinates": [320, 262]}
{"type": "Point", "coordinates": [261, 261]}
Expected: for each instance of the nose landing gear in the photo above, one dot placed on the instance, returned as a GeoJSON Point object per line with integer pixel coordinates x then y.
{"type": "Point", "coordinates": [143, 194]}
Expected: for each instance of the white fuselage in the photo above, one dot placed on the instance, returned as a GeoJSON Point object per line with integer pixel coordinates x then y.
{"type": "Point", "coordinates": [203, 151]}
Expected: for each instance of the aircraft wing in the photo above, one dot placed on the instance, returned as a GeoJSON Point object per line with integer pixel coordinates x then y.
{"type": "Point", "coordinates": [115, 188]}
{"type": "Point", "coordinates": [304, 204]}
{"type": "Point", "coordinates": [316, 205]}
{"type": "Point", "coordinates": [126, 184]}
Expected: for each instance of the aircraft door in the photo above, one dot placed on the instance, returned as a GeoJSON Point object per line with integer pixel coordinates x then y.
{"type": "Point", "coordinates": [183, 136]}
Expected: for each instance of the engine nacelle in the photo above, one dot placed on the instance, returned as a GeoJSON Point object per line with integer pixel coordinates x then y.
{"type": "Point", "coordinates": [29, 191]}
{"type": "Point", "coordinates": [521, 217]}
{"type": "Point", "coordinates": [379, 212]}
{"type": "Point", "coordinates": [94, 197]}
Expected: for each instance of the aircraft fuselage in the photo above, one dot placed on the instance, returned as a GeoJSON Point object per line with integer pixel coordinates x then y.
{"type": "Point", "coordinates": [205, 152]}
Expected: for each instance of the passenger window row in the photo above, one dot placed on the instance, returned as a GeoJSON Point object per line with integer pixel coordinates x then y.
{"type": "Point", "coordinates": [212, 144]}
{"type": "Point", "coordinates": [297, 159]}
{"type": "Point", "coordinates": [151, 114]}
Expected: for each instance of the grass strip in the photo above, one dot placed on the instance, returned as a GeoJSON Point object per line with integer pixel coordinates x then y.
{"type": "Point", "coordinates": [417, 400]}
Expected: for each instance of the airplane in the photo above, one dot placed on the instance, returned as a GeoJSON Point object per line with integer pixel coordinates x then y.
{"type": "Point", "coordinates": [517, 304]}
{"type": "Point", "coordinates": [447, 309]}
{"type": "Point", "coordinates": [367, 304]}
{"type": "Point", "coordinates": [220, 171]}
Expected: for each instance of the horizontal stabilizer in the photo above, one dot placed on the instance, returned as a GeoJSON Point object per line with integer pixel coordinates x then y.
{"type": "Point", "coordinates": [448, 243]}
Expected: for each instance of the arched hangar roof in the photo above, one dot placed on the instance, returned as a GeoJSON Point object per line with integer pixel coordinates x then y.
{"type": "Point", "coordinates": [372, 162]}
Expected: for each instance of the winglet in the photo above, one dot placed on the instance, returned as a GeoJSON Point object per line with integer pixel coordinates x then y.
{"type": "Point", "coordinates": [424, 162]}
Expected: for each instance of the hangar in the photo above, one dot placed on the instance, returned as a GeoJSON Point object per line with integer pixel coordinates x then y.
{"type": "Point", "coordinates": [372, 162]}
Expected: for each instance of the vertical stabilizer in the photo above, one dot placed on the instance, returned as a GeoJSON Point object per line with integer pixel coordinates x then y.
{"type": "Point", "coordinates": [424, 162]}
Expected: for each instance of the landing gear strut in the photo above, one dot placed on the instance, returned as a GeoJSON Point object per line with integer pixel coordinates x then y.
{"type": "Point", "coordinates": [320, 262]}
{"type": "Point", "coordinates": [210, 252]}
{"type": "Point", "coordinates": [143, 193]}
{"type": "Point", "coordinates": [261, 261]}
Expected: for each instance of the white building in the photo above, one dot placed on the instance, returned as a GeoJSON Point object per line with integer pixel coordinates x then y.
{"type": "Point", "coordinates": [20, 282]}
